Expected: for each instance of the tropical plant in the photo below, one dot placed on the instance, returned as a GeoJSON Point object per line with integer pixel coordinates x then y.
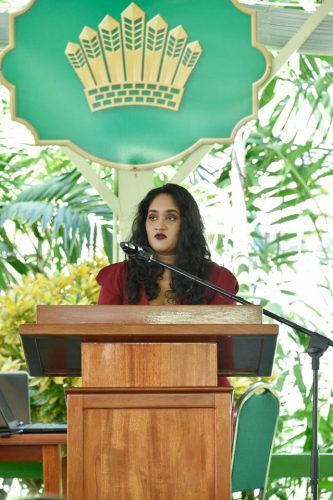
{"type": "Point", "coordinates": [76, 285]}
{"type": "Point", "coordinates": [49, 215]}
{"type": "Point", "coordinates": [283, 180]}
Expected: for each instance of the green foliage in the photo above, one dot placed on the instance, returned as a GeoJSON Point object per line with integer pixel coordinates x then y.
{"type": "Point", "coordinates": [18, 306]}
{"type": "Point", "coordinates": [285, 172]}
{"type": "Point", "coordinates": [49, 215]}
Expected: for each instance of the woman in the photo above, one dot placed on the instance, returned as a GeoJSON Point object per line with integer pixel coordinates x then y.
{"type": "Point", "coordinates": [168, 220]}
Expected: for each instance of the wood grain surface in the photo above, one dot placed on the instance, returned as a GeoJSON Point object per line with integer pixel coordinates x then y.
{"type": "Point", "coordinates": [125, 314]}
{"type": "Point", "coordinates": [149, 365]}
{"type": "Point", "coordinates": [160, 446]}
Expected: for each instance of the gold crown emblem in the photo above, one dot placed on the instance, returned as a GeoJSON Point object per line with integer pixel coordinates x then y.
{"type": "Point", "coordinates": [133, 62]}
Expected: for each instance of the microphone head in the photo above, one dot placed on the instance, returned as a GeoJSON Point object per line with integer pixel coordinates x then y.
{"type": "Point", "coordinates": [137, 251]}
{"type": "Point", "coordinates": [128, 248]}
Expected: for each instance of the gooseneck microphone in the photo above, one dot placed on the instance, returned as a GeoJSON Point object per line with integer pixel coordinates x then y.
{"type": "Point", "coordinates": [317, 346]}
{"type": "Point", "coordinates": [137, 251]}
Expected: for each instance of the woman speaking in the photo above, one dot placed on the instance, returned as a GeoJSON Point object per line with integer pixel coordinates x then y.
{"type": "Point", "coordinates": [167, 220]}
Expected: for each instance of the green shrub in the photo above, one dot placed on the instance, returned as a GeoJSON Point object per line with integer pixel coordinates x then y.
{"type": "Point", "coordinates": [18, 306]}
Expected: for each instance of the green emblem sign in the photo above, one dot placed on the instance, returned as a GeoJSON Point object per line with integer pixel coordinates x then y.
{"type": "Point", "coordinates": [133, 84]}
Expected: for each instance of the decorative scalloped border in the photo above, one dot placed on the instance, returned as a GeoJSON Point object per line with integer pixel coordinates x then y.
{"type": "Point", "coordinates": [144, 166]}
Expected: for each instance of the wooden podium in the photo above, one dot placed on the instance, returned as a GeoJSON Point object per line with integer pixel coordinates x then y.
{"type": "Point", "coordinates": [149, 422]}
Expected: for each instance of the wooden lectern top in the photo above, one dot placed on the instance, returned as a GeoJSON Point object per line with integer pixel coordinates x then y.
{"type": "Point", "coordinates": [246, 347]}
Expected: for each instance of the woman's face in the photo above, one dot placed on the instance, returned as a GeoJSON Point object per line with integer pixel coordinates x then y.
{"type": "Point", "coordinates": [163, 226]}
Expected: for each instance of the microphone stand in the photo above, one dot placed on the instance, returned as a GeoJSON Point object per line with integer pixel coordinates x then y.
{"type": "Point", "coordinates": [317, 346]}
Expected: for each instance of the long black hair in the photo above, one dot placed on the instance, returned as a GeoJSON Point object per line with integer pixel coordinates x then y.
{"type": "Point", "coordinates": [192, 253]}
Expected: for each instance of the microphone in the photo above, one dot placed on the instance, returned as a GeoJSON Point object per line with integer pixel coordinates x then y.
{"type": "Point", "coordinates": [137, 251]}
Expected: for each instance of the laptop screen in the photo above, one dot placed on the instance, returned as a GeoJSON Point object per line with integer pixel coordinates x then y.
{"type": "Point", "coordinates": [7, 419]}
{"type": "Point", "coordinates": [15, 389]}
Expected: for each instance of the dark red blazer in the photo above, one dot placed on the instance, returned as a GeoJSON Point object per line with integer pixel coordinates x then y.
{"type": "Point", "coordinates": [112, 280]}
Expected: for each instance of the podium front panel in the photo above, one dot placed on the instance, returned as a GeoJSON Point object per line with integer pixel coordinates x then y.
{"type": "Point", "coordinates": [149, 446]}
{"type": "Point", "coordinates": [149, 365]}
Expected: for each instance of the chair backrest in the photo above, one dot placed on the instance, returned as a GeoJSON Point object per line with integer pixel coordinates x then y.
{"type": "Point", "coordinates": [257, 413]}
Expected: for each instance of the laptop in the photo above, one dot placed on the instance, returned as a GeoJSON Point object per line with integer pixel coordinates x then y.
{"type": "Point", "coordinates": [15, 407]}
{"type": "Point", "coordinates": [15, 388]}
